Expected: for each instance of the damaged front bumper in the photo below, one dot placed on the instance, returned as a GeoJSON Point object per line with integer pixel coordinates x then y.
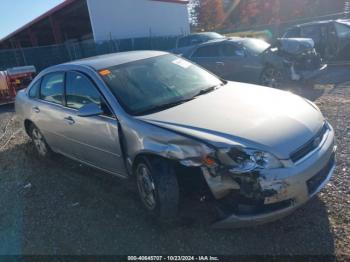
{"type": "Point", "coordinates": [308, 74]}
{"type": "Point", "coordinates": [283, 189]}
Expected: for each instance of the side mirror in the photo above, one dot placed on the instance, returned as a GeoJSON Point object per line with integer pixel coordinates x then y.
{"type": "Point", "coordinates": [90, 110]}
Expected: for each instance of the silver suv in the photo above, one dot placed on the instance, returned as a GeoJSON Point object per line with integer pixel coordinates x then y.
{"type": "Point", "coordinates": [253, 152]}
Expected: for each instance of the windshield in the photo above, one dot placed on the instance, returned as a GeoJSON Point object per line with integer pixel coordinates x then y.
{"type": "Point", "coordinates": [146, 85]}
{"type": "Point", "coordinates": [255, 46]}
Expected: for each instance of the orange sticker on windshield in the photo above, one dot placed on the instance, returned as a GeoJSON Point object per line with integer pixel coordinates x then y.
{"type": "Point", "coordinates": [105, 72]}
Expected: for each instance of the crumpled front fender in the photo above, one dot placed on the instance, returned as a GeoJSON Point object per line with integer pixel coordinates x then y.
{"type": "Point", "coordinates": [144, 138]}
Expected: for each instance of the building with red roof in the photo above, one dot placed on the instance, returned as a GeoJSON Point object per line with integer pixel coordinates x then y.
{"type": "Point", "coordinates": [77, 20]}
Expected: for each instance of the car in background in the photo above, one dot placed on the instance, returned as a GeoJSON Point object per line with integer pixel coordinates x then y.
{"type": "Point", "coordinates": [332, 37]}
{"type": "Point", "coordinates": [255, 154]}
{"type": "Point", "coordinates": [185, 42]}
{"type": "Point", "coordinates": [256, 61]}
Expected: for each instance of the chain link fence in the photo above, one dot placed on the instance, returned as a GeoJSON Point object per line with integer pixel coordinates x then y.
{"type": "Point", "coordinates": [45, 56]}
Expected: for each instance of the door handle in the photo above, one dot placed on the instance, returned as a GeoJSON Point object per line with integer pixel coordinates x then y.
{"type": "Point", "coordinates": [36, 109]}
{"type": "Point", "coordinates": [220, 63]}
{"type": "Point", "coordinates": [69, 120]}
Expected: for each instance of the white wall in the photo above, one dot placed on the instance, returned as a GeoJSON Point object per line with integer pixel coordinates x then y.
{"type": "Point", "coordinates": [137, 18]}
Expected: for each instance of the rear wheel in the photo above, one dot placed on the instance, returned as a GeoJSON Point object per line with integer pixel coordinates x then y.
{"type": "Point", "coordinates": [157, 187]}
{"type": "Point", "coordinates": [271, 77]}
{"type": "Point", "coordinates": [40, 143]}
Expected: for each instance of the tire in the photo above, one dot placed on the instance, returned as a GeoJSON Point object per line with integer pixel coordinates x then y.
{"type": "Point", "coordinates": [271, 77]}
{"type": "Point", "coordinates": [157, 187]}
{"type": "Point", "coordinates": [40, 144]}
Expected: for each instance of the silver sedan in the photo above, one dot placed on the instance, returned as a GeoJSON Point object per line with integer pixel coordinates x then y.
{"type": "Point", "coordinates": [253, 152]}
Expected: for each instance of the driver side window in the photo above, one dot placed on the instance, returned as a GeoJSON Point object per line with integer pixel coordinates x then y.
{"type": "Point", "coordinates": [231, 50]}
{"type": "Point", "coordinates": [80, 91]}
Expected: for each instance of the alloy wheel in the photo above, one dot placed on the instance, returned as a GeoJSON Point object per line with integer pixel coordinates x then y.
{"type": "Point", "coordinates": [146, 187]}
{"type": "Point", "coordinates": [271, 78]}
{"type": "Point", "coordinates": [39, 142]}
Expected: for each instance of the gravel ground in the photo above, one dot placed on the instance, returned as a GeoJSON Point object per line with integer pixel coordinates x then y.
{"type": "Point", "coordinates": [61, 207]}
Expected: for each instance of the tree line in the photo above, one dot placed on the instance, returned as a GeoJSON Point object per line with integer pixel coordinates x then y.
{"type": "Point", "coordinates": [211, 15]}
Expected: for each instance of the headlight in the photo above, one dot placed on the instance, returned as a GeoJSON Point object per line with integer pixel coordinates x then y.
{"type": "Point", "coordinates": [266, 160]}
{"type": "Point", "coordinates": [204, 156]}
{"type": "Point", "coordinates": [242, 160]}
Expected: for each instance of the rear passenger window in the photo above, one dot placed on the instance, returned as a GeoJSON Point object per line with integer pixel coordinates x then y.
{"type": "Point", "coordinates": [52, 88]}
{"type": "Point", "coordinates": [207, 51]}
{"type": "Point", "coordinates": [34, 90]}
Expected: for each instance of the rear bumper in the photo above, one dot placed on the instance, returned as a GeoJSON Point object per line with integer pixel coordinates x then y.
{"type": "Point", "coordinates": [293, 186]}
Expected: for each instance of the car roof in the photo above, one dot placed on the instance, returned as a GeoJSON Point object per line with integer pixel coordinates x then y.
{"type": "Point", "coordinates": [109, 60]}
{"type": "Point", "coordinates": [199, 34]}
{"type": "Point", "coordinates": [317, 23]}
{"type": "Point", "coordinates": [231, 39]}
{"type": "Point", "coordinates": [320, 22]}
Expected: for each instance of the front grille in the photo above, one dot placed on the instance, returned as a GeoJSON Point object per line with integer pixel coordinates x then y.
{"type": "Point", "coordinates": [309, 146]}
{"type": "Point", "coordinates": [314, 183]}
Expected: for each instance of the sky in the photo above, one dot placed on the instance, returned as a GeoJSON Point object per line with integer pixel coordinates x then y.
{"type": "Point", "coordinates": [16, 13]}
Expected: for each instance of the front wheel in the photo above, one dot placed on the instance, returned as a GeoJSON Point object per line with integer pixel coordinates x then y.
{"type": "Point", "coordinates": [271, 77]}
{"type": "Point", "coordinates": [158, 187]}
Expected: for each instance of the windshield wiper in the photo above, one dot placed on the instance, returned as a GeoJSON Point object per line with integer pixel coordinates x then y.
{"type": "Point", "coordinates": [182, 101]}
{"type": "Point", "coordinates": [208, 90]}
{"type": "Point", "coordinates": [164, 106]}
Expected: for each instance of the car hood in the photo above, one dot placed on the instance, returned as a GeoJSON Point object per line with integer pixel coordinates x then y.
{"type": "Point", "coordinates": [242, 114]}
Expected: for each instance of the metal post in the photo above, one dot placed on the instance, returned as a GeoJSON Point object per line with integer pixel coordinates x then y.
{"type": "Point", "coordinates": [56, 31]}
{"type": "Point", "coordinates": [23, 56]}
{"type": "Point", "coordinates": [33, 38]}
